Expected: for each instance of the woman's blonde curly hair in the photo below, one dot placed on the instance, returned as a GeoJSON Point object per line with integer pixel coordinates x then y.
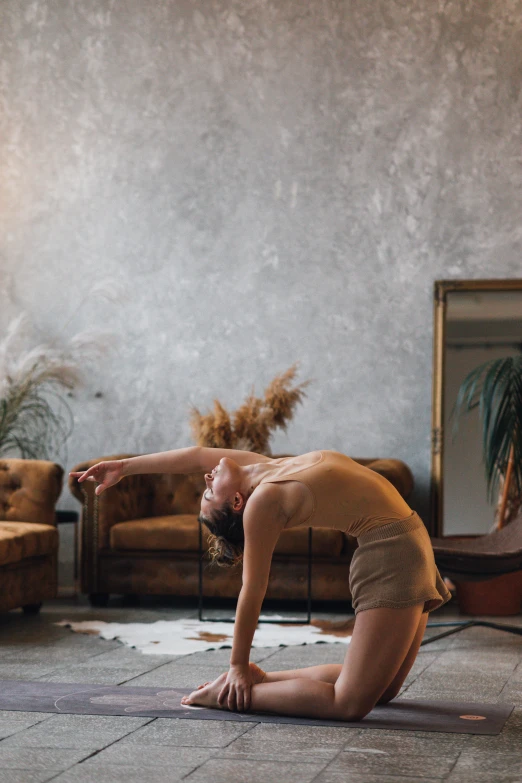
{"type": "Point", "coordinates": [227, 538]}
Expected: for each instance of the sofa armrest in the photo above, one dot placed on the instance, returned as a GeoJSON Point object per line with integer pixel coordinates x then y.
{"type": "Point", "coordinates": [29, 490]}
{"type": "Point", "coordinates": [126, 500]}
{"type": "Point", "coordinates": [130, 498]}
{"type": "Point", "coordinates": [75, 488]}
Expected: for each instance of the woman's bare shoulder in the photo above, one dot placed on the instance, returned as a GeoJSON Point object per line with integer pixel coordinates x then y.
{"type": "Point", "coordinates": [264, 506]}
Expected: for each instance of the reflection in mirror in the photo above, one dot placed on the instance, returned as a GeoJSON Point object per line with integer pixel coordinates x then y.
{"type": "Point", "coordinates": [480, 326]}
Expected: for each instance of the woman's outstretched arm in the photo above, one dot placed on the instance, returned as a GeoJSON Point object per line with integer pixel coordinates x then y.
{"type": "Point", "coordinates": [190, 460]}
{"type": "Point", "coordinates": [175, 461]}
{"type": "Point", "coordinates": [109, 472]}
{"type": "Point", "coordinates": [263, 521]}
{"type": "Point", "coordinates": [194, 459]}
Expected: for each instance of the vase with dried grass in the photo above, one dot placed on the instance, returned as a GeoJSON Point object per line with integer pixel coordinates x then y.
{"type": "Point", "coordinates": [252, 424]}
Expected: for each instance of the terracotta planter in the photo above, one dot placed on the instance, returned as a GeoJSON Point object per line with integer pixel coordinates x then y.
{"type": "Point", "coordinates": [499, 596]}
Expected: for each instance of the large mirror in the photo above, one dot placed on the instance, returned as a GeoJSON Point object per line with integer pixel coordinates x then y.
{"type": "Point", "coordinates": [475, 321]}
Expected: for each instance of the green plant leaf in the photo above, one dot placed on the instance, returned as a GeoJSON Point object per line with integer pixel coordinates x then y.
{"type": "Point", "coordinates": [496, 387]}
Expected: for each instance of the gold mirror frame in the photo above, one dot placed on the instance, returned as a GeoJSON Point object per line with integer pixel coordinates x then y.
{"type": "Point", "coordinates": [441, 290]}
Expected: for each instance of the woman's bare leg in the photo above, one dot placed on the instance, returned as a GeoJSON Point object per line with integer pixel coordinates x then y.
{"type": "Point", "coordinates": [326, 672]}
{"type": "Point", "coordinates": [329, 672]}
{"type": "Point", "coordinates": [381, 640]}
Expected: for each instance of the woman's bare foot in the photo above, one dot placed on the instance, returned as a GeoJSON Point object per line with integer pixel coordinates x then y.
{"type": "Point", "coordinates": [257, 673]}
{"type": "Point", "coordinates": [207, 695]}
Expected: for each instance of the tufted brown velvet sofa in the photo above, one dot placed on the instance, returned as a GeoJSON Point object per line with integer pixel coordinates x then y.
{"type": "Point", "coordinates": [29, 490]}
{"type": "Point", "coordinates": [143, 539]}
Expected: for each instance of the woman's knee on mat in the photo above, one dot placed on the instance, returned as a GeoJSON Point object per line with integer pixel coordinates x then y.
{"type": "Point", "coordinates": [354, 706]}
{"type": "Point", "coordinates": [352, 710]}
{"type": "Point", "coordinates": [388, 695]}
{"type": "Point", "coordinates": [393, 689]}
{"type": "Point", "coordinates": [357, 706]}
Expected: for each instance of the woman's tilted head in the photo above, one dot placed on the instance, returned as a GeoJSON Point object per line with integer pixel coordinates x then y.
{"type": "Point", "coordinates": [222, 507]}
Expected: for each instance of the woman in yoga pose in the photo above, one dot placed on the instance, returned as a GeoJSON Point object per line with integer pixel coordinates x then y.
{"type": "Point", "coordinates": [394, 582]}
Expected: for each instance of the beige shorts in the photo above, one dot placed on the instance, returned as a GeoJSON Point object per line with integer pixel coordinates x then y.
{"type": "Point", "coordinates": [394, 566]}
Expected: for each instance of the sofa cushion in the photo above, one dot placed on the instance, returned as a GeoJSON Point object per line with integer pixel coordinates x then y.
{"type": "Point", "coordinates": [19, 540]}
{"type": "Point", "coordinates": [172, 532]}
{"type": "Point", "coordinates": [180, 532]}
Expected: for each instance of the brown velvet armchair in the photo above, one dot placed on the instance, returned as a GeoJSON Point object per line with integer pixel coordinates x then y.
{"type": "Point", "coordinates": [143, 539]}
{"type": "Point", "coordinates": [29, 490]}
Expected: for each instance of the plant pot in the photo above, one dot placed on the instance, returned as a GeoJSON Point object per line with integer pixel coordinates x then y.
{"type": "Point", "coordinates": [501, 595]}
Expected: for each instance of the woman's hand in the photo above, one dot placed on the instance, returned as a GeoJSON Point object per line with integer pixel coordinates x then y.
{"type": "Point", "coordinates": [258, 675]}
{"type": "Point", "coordinates": [236, 690]}
{"type": "Point", "coordinates": [104, 473]}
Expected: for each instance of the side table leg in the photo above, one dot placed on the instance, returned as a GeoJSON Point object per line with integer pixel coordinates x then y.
{"type": "Point", "coordinates": [229, 620]}
{"type": "Point", "coordinates": [309, 575]}
{"type": "Point", "coordinates": [75, 573]}
{"type": "Point", "coordinates": [200, 566]}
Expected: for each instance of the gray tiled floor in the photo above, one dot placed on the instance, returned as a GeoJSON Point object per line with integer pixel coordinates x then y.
{"type": "Point", "coordinates": [478, 664]}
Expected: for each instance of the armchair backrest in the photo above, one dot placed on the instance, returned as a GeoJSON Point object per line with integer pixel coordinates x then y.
{"type": "Point", "coordinates": [177, 493]}
{"type": "Point", "coordinates": [29, 489]}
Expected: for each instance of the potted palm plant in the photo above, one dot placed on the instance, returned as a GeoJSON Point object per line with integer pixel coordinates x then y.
{"type": "Point", "coordinates": [495, 387]}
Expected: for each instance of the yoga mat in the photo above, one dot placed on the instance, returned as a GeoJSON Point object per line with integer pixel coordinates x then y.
{"type": "Point", "coordinates": [86, 699]}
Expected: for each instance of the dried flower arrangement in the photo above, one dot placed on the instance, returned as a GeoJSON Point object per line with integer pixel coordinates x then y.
{"type": "Point", "coordinates": [30, 379]}
{"type": "Point", "coordinates": [251, 425]}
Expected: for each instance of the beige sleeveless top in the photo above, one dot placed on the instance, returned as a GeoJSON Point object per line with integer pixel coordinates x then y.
{"type": "Point", "coordinates": [346, 495]}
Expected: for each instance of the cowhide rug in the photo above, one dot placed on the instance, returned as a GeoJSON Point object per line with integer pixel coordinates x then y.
{"type": "Point", "coordinates": [182, 637]}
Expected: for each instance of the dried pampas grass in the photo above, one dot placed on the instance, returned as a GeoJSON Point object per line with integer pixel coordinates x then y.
{"type": "Point", "coordinates": [249, 428]}
{"type": "Point", "coordinates": [31, 421]}
{"type": "Point", "coordinates": [215, 429]}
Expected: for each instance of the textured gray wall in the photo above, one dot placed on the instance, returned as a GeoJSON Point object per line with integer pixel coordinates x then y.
{"type": "Point", "coordinates": [277, 181]}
